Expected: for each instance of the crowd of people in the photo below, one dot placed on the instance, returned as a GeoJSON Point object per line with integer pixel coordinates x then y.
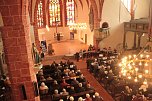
{"type": "Point", "coordinates": [5, 88]}
{"type": "Point", "coordinates": [106, 70]}
{"type": "Point", "coordinates": [91, 52]}
{"type": "Point", "coordinates": [64, 82]}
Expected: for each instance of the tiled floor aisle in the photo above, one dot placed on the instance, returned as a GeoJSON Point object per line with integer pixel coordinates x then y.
{"type": "Point", "coordinates": [68, 47]}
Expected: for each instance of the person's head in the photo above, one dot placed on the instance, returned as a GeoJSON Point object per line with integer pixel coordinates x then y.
{"type": "Point", "coordinates": [88, 85]}
{"type": "Point", "coordinates": [55, 82]}
{"type": "Point", "coordinates": [110, 71]}
{"type": "Point", "coordinates": [127, 87]}
{"type": "Point", "coordinates": [72, 87]}
{"type": "Point", "coordinates": [42, 84]}
{"type": "Point", "coordinates": [108, 67]}
{"type": "Point", "coordinates": [61, 100]}
{"type": "Point", "coordinates": [71, 98]}
{"type": "Point", "coordinates": [74, 78]}
{"type": "Point", "coordinates": [64, 90]}
{"type": "Point", "coordinates": [87, 95]}
{"type": "Point", "coordinates": [96, 94]}
{"type": "Point", "coordinates": [56, 91]}
{"type": "Point", "coordinates": [42, 78]}
{"type": "Point", "coordinates": [80, 99]}
{"type": "Point", "coordinates": [81, 76]}
{"type": "Point", "coordinates": [72, 71]}
{"type": "Point", "coordinates": [7, 78]}
{"type": "Point", "coordinates": [80, 84]}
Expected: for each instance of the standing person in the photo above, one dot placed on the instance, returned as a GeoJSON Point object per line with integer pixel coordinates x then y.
{"type": "Point", "coordinates": [35, 53]}
{"type": "Point", "coordinates": [77, 56]}
{"type": "Point", "coordinates": [41, 53]}
{"type": "Point", "coordinates": [58, 36]}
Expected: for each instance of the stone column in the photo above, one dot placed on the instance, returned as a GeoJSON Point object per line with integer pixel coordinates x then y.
{"type": "Point", "coordinates": [17, 47]}
{"type": "Point", "coordinates": [135, 34]}
{"type": "Point", "coordinates": [37, 42]}
{"type": "Point", "coordinates": [124, 40]}
{"type": "Point", "coordinates": [96, 38]}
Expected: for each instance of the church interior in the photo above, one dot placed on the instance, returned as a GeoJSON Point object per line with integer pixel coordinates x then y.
{"type": "Point", "coordinates": [75, 50]}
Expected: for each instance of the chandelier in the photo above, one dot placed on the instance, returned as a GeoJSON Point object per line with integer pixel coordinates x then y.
{"type": "Point", "coordinates": [76, 26]}
{"type": "Point", "coordinates": [135, 67]}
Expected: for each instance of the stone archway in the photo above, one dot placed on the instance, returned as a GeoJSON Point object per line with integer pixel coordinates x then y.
{"type": "Point", "coordinates": [17, 47]}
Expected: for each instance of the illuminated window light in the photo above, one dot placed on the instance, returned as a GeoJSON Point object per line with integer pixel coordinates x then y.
{"type": "Point", "coordinates": [146, 71]}
{"type": "Point", "coordinates": [140, 76]}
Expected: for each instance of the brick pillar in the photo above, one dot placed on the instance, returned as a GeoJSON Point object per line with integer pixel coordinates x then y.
{"type": "Point", "coordinates": [96, 20]}
{"type": "Point", "coordinates": [96, 33]}
{"type": "Point", "coordinates": [37, 41]}
{"type": "Point", "coordinates": [17, 47]}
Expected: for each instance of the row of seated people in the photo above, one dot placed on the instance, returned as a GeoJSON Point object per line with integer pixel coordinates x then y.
{"type": "Point", "coordinates": [108, 75]}
{"type": "Point", "coordinates": [57, 71]}
{"type": "Point", "coordinates": [95, 53]}
{"type": "Point", "coordinates": [69, 80]}
{"type": "Point", "coordinates": [86, 97]}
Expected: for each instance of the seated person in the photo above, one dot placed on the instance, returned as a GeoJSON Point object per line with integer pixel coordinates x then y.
{"type": "Point", "coordinates": [81, 78]}
{"type": "Point", "coordinates": [64, 92]}
{"type": "Point", "coordinates": [64, 84]}
{"type": "Point", "coordinates": [72, 91]}
{"type": "Point", "coordinates": [40, 72]}
{"type": "Point", "coordinates": [72, 73]}
{"type": "Point", "coordinates": [80, 99]}
{"type": "Point", "coordinates": [139, 97]}
{"type": "Point", "coordinates": [88, 98]}
{"type": "Point", "coordinates": [143, 88]}
{"type": "Point", "coordinates": [78, 72]}
{"type": "Point", "coordinates": [68, 62]}
{"type": "Point", "coordinates": [43, 88]}
{"type": "Point", "coordinates": [42, 78]}
{"type": "Point", "coordinates": [74, 82]}
{"type": "Point", "coordinates": [66, 71]}
{"type": "Point", "coordinates": [80, 88]}
{"type": "Point", "coordinates": [49, 78]}
{"type": "Point", "coordinates": [7, 82]}
{"type": "Point", "coordinates": [55, 85]}
{"type": "Point", "coordinates": [56, 93]}
{"type": "Point", "coordinates": [71, 98]}
{"type": "Point", "coordinates": [96, 97]}
{"type": "Point", "coordinates": [128, 90]}
{"type": "Point", "coordinates": [88, 87]}
{"type": "Point", "coordinates": [128, 93]}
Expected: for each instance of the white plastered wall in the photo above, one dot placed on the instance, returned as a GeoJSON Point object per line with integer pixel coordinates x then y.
{"type": "Point", "coordinates": [115, 14]}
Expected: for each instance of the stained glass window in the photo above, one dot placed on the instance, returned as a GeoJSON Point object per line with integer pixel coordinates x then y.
{"type": "Point", "coordinates": [127, 4]}
{"type": "Point", "coordinates": [70, 11]}
{"type": "Point", "coordinates": [40, 16]}
{"type": "Point", "coordinates": [54, 13]}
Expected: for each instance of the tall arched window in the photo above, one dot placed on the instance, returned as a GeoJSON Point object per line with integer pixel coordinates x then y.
{"type": "Point", "coordinates": [127, 4]}
{"type": "Point", "coordinates": [70, 15]}
{"type": "Point", "coordinates": [55, 13]}
{"type": "Point", "coordinates": [40, 14]}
